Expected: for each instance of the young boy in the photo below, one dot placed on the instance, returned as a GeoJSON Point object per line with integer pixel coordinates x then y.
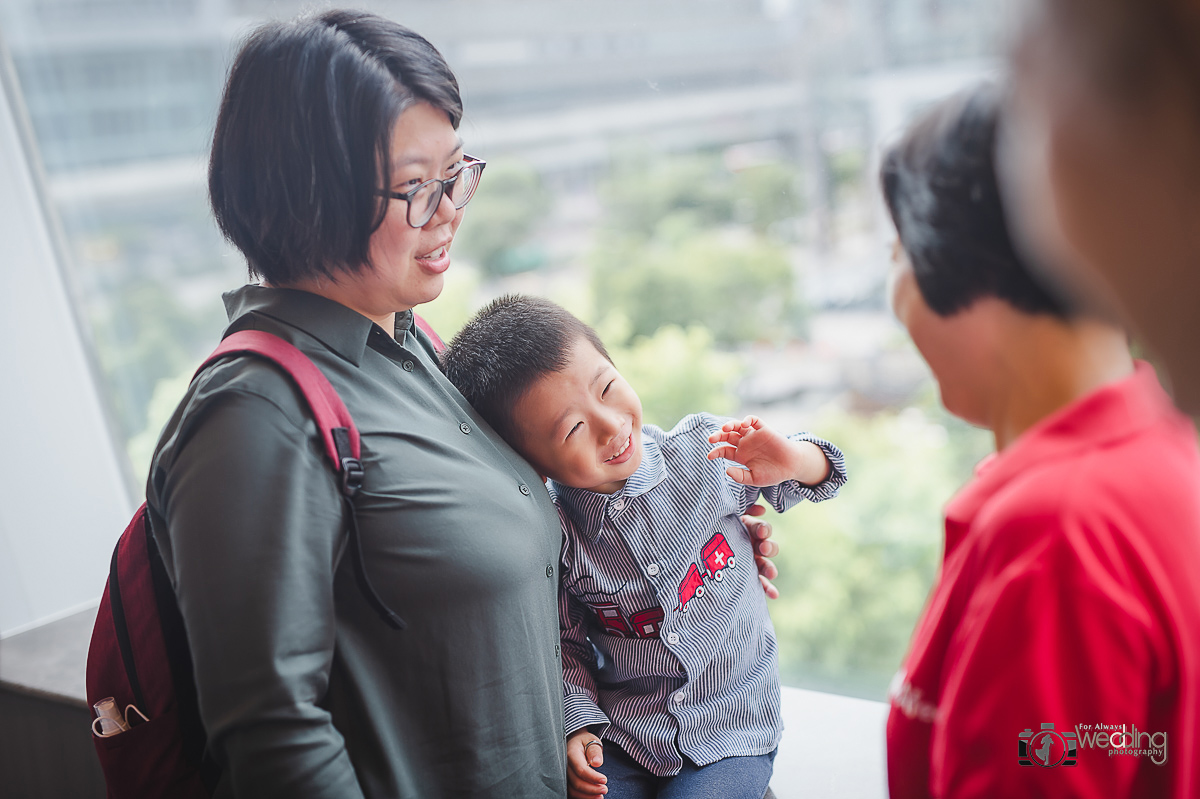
{"type": "Point", "coordinates": [668, 651]}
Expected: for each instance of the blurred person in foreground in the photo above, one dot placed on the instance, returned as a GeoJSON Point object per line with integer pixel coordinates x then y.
{"type": "Point", "coordinates": [1059, 653]}
{"type": "Point", "coordinates": [1101, 153]}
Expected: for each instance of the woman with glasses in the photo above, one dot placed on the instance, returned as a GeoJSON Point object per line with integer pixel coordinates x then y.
{"type": "Point", "coordinates": [337, 171]}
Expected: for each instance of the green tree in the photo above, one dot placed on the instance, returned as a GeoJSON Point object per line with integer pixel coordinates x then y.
{"type": "Point", "coordinates": [642, 191]}
{"type": "Point", "coordinates": [855, 571]}
{"type": "Point", "coordinates": [143, 335]}
{"type": "Point", "coordinates": [740, 290]}
{"type": "Point", "coordinates": [677, 372]}
{"type": "Point", "coordinates": [766, 194]}
{"type": "Point", "coordinates": [509, 203]}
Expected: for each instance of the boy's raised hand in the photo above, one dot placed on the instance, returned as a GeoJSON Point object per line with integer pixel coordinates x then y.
{"type": "Point", "coordinates": [583, 781]}
{"type": "Point", "coordinates": [766, 457]}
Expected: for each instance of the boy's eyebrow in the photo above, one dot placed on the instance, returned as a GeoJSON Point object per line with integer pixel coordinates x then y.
{"type": "Point", "coordinates": [567, 411]}
{"type": "Point", "coordinates": [558, 422]}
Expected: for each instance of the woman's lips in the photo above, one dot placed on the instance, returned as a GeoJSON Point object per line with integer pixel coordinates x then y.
{"type": "Point", "coordinates": [436, 261]}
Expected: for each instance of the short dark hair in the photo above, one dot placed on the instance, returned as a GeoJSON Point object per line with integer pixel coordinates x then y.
{"type": "Point", "coordinates": [507, 347]}
{"type": "Point", "coordinates": [939, 182]}
{"type": "Point", "coordinates": [302, 143]}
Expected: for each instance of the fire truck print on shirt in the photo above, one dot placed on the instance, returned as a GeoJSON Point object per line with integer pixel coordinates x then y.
{"type": "Point", "coordinates": [643, 624]}
{"type": "Point", "coordinates": [715, 557]}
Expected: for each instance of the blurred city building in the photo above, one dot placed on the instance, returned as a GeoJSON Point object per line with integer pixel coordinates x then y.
{"type": "Point", "coordinates": [121, 95]}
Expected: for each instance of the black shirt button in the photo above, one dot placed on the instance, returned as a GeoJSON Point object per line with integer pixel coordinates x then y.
{"type": "Point", "coordinates": [408, 366]}
{"type": "Point", "coordinates": [524, 489]}
{"type": "Point", "coordinates": [556, 650]}
{"type": "Point", "coordinates": [549, 570]}
{"type": "Point", "coordinates": [466, 428]}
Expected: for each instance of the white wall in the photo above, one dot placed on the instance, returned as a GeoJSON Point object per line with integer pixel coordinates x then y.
{"type": "Point", "coordinates": [63, 497]}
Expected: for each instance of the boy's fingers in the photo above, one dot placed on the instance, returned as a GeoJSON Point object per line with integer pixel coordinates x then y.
{"type": "Point", "coordinates": [580, 789]}
{"type": "Point", "coordinates": [594, 752]}
{"type": "Point", "coordinates": [767, 548]}
{"type": "Point", "coordinates": [727, 451]}
{"type": "Point", "coordinates": [771, 591]}
{"type": "Point", "coordinates": [739, 475]}
{"type": "Point", "coordinates": [757, 510]}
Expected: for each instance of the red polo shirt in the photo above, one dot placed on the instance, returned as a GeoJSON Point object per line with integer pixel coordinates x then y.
{"type": "Point", "coordinates": [1069, 595]}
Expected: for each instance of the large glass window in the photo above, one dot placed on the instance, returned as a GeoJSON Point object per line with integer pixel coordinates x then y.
{"type": "Point", "coordinates": [694, 177]}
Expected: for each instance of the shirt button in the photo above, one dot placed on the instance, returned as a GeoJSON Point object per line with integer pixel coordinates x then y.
{"type": "Point", "coordinates": [679, 697]}
{"type": "Point", "coordinates": [549, 570]}
{"type": "Point", "coordinates": [618, 504]}
{"type": "Point", "coordinates": [466, 428]}
{"type": "Point", "coordinates": [408, 366]}
{"type": "Point", "coordinates": [672, 638]}
{"type": "Point", "coordinates": [524, 489]}
{"type": "Point", "coordinates": [652, 569]}
{"type": "Point", "coordinates": [556, 650]}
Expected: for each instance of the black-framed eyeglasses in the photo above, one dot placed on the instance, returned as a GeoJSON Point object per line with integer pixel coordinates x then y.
{"type": "Point", "coordinates": [423, 201]}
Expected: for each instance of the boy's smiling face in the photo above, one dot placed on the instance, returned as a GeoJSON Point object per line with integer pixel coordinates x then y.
{"type": "Point", "coordinates": [582, 426]}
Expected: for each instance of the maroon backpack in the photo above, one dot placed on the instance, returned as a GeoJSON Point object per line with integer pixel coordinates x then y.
{"type": "Point", "coordinates": [139, 654]}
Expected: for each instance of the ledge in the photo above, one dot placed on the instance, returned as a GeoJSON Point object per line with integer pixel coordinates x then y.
{"type": "Point", "coordinates": [832, 748]}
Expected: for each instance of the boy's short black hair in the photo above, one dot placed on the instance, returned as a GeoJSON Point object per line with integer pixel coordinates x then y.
{"type": "Point", "coordinates": [301, 149]}
{"type": "Point", "coordinates": [939, 182]}
{"type": "Point", "coordinates": [507, 347]}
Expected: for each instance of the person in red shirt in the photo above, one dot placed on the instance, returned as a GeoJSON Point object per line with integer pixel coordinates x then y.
{"type": "Point", "coordinates": [1059, 653]}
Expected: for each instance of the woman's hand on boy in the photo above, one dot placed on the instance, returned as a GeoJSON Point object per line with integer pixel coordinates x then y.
{"type": "Point", "coordinates": [766, 457]}
{"type": "Point", "coordinates": [764, 548]}
{"type": "Point", "coordinates": [584, 753]}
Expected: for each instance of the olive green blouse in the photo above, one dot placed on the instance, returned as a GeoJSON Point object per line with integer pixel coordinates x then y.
{"type": "Point", "coordinates": [303, 690]}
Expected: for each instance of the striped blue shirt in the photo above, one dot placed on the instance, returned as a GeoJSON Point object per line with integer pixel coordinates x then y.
{"type": "Point", "coordinates": [660, 578]}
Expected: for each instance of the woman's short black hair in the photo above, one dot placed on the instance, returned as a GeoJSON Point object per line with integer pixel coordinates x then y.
{"type": "Point", "coordinates": [939, 182]}
{"type": "Point", "coordinates": [507, 347]}
{"type": "Point", "coordinates": [302, 142]}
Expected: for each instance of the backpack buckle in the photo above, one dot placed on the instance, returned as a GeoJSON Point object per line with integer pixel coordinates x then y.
{"type": "Point", "coordinates": [352, 476]}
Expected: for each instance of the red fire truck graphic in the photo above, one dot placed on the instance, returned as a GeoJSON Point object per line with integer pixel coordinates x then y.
{"type": "Point", "coordinates": [716, 557]}
{"type": "Point", "coordinates": [692, 586]}
{"type": "Point", "coordinates": [612, 620]}
{"type": "Point", "coordinates": [646, 623]}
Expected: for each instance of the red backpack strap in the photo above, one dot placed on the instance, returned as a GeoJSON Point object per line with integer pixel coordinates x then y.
{"type": "Point", "coordinates": [438, 345]}
{"type": "Point", "coordinates": [342, 443]}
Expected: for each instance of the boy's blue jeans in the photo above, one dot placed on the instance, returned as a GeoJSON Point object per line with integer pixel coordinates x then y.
{"type": "Point", "coordinates": [731, 778]}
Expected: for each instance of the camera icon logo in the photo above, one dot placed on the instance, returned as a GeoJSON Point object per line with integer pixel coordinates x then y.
{"type": "Point", "coordinates": [1047, 748]}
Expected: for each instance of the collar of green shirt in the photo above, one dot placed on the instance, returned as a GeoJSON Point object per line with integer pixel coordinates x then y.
{"type": "Point", "coordinates": [342, 330]}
